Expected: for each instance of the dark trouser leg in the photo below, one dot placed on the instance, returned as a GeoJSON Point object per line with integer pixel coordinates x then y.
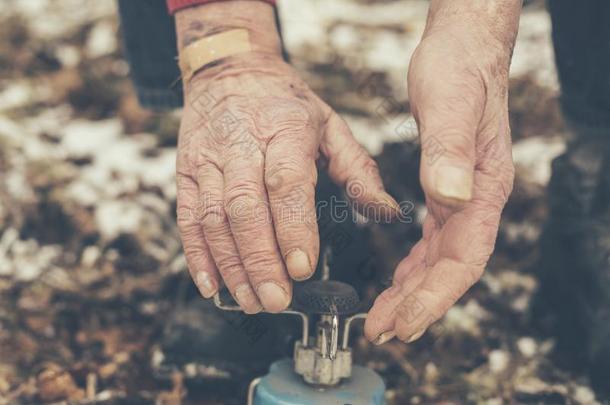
{"type": "Point", "coordinates": [581, 36]}
{"type": "Point", "coordinates": [574, 291]}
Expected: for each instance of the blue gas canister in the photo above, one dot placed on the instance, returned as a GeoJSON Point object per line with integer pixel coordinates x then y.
{"type": "Point", "coordinates": [282, 386]}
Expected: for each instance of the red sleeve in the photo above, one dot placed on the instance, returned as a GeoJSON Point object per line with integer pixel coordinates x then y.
{"type": "Point", "coordinates": [175, 5]}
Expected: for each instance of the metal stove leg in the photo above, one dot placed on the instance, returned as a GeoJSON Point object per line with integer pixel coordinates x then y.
{"type": "Point", "coordinates": [252, 390]}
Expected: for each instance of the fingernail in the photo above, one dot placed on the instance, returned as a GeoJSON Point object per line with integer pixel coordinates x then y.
{"type": "Point", "coordinates": [384, 337]}
{"type": "Point", "coordinates": [206, 285]}
{"type": "Point", "coordinates": [416, 336]}
{"type": "Point", "coordinates": [454, 183]}
{"type": "Point", "coordinates": [298, 265]}
{"type": "Point", "coordinates": [389, 204]}
{"type": "Point", "coordinates": [389, 201]}
{"type": "Point", "coordinates": [245, 297]}
{"type": "Point", "coordinates": [273, 297]}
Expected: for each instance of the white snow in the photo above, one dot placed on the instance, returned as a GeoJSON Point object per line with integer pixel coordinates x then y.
{"type": "Point", "coordinates": [527, 346]}
{"type": "Point", "coordinates": [24, 260]}
{"type": "Point", "coordinates": [102, 40]}
{"type": "Point", "coordinates": [82, 138]}
{"type": "Point", "coordinates": [498, 361]}
{"type": "Point", "coordinates": [533, 156]}
{"type": "Point", "coordinates": [116, 217]}
{"type": "Point", "coordinates": [533, 52]}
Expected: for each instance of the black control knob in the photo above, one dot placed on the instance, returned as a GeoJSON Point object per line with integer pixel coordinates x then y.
{"type": "Point", "coordinates": [326, 297]}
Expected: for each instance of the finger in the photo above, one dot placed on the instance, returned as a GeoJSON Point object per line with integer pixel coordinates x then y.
{"type": "Point", "coordinates": [379, 325]}
{"type": "Point", "coordinates": [409, 273]}
{"type": "Point", "coordinates": [448, 108]}
{"type": "Point", "coordinates": [200, 263]}
{"type": "Point", "coordinates": [350, 166]}
{"type": "Point", "coordinates": [247, 208]}
{"type": "Point", "coordinates": [451, 266]}
{"type": "Point", "coordinates": [220, 241]}
{"type": "Point", "coordinates": [290, 178]}
{"type": "Point", "coordinates": [443, 285]}
{"type": "Point", "coordinates": [405, 268]}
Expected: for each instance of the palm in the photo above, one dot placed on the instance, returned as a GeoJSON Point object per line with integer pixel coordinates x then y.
{"type": "Point", "coordinates": [466, 173]}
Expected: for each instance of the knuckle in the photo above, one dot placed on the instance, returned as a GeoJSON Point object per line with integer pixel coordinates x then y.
{"type": "Point", "coordinates": [260, 263]}
{"type": "Point", "coordinates": [288, 127]}
{"type": "Point", "coordinates": [447, 293]}
{"type": "Point", "coordinates": [219, 235]}
{"type": "Point", "coordinates": [194, 250]}
{"type": "Point", "coordinates": [403, 332]}
{"type": "Point", "coordinates": [489, 216]}
{"type": "Point", "coordinates": [189, 232]}
{"type": "Point", "coordinates": [411, 312]}
{"type": "Point", "coordinates": [284, 174]}
{"type": "Point", "coordinates": [369, 165]}
{"type": "Point", "coordinates": [226, 260]}
{"type": "Point", "coordinates": [184, 218]}
{"type": "Point", "coordinates": [212, 213]}
{"type": "Point", "coordinates": [365, 164]}
{"type": "Point", "coordinates": [185, 214]}
{"type": "Point", "coordinates": [295, 217]}
{"type": "Point", "coordinates": [230, 268]}
{"type": "Point", "coordinates": [287, 117]}
{"type": "Point", "coordinates": [356, 188]}
{"type": "Point", "coordinates": [242, 203]}
{"type": "Point", "coordinates": [242, 189]}
{"type": "Point", "coordinates": [453, 137]}
{"type": "Point", "coordinates": [455, 144]}
{"type": "Point", "coordinates": [294, 230]}
{"type": "Point", "coordinates": [362, 166]}
{"type": "Point", "coordinates": [286, 222]}
{"type": "Point", "coordinates": [358, 154]}
{"type": "Point", "coordinates": [486, 233]}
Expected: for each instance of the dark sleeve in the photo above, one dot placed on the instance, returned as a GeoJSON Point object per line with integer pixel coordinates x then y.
{"type": "Point", "coordinates": [149, 37]}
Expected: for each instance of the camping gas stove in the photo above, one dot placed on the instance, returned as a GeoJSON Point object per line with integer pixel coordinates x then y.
{"type": "Point", "coordinates": [321, 370]}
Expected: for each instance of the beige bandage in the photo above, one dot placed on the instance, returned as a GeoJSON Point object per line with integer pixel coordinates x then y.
{"type": "Point", "coordinates": [209, 49]}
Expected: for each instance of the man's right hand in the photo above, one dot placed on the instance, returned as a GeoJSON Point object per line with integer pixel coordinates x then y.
{"type": "Point", "coordinates": [251, 133]}
{"type": "Point", "coordinates": [458, 91]}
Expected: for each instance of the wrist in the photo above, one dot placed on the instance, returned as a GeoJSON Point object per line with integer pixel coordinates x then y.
{"type": "Point", "coordinates": [252, 64]}
{"type": "Point", "coordinates": [256, 17]}
{"type": "Point", "coordinates": [490, 24]}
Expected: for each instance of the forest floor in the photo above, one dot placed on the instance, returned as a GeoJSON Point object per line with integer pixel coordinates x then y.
{"type": "Point", "coordinates": [90, 260]}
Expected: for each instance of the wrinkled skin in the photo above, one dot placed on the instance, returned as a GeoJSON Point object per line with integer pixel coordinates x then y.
{"type": "Point", "coordinates": [458, 80]}
{"type": "Point", "coordinates": [250, 137]}
{"type": "Point", "coordinates": [238, 175]}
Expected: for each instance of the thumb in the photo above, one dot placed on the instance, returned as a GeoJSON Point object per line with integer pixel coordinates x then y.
{"type": "Point", "coordinates": [350, 166]}
{"type": "Point", "coordinates": [448, 111]}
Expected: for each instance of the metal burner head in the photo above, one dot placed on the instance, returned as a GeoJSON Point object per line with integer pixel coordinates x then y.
{"type": "Point", "coordinates": [333, 306]}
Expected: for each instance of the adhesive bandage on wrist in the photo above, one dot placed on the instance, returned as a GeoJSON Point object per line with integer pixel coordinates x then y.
{"type": "Point", "coordinates": [210, 49]}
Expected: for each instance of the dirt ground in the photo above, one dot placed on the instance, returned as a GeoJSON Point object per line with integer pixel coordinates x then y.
{"type": "Point", "coordinates": [90, 261]}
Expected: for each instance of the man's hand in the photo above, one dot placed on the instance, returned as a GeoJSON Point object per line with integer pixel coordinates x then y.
{"type": "Point", "coordinates": [458, 80]}
{"type": "Point", "coordinates": [246, 169]}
